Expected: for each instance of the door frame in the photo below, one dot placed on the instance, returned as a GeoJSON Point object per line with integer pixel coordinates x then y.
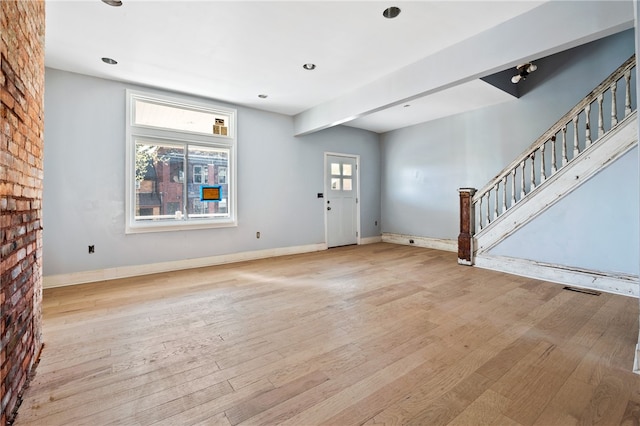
{"type": "Point", "coordinates": [356, 157]}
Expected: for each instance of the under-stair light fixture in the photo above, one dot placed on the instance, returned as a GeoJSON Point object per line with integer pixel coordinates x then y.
{"type": "Point", "coordinates": [263, 96]}
{"type": "Point", "coordinates": [109, 61]}
{"type": "Point", "coordinates": [114, 3]}
{"type": "Point", "coordinates": [523, 71]}
{"type": "Point", "coordinates": [309, 66]}
{"type": "Point", "coordinates": [391, 12]}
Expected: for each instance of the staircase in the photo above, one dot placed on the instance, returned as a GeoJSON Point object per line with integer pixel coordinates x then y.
{"type": "Point", "coordinates": [558, 162]}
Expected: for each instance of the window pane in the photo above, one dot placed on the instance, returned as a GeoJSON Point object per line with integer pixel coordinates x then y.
{"type": "Point", "coordinates": [209, 167]}
{"type": "Point", "coordinates": [335, 184]}
{"type": "Point", "coordinates": [335, 169]}
{"type": "Point", "coordinates": [346, 184]}
{"type": "Point", "coordinates": [346, 169]}
{"type": "Point", "coordinates": [159, 181]}
{"type": "Point", "coordinates": [179, 118]}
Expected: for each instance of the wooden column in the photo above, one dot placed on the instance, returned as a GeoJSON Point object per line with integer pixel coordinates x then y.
{"type": "Point", "coordinates": [467, 221]}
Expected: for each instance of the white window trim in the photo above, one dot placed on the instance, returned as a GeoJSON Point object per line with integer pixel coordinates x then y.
{"type": "Point", "coordinates": [229, 142]}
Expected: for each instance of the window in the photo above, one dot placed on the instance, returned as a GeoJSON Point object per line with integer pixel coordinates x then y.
{"type": "Point", "coordinates": [222, 175]}
{"type": "Point", "coordinates": [174, 149]}
{"type": "Point", "coordinates": [200, 174]}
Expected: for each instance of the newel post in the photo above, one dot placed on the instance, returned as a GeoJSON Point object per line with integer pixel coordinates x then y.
{"type": "Point", "coordinates": [467, 221]}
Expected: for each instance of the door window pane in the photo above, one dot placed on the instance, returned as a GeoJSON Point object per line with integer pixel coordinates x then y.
{"type": "Point", "coordinates": [346, 184]}
{"type": "Point", "coordinates": [335, 169]}
{"type": "Point", "coordinates": [346, 170]}
{"type": "Point", "coordinates": [335, 184]}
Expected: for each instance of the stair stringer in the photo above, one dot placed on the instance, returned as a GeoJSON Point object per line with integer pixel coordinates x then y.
{"type": "Point", "coordinates": [593, 159]}
{"type": "Point", "coordinates": [617, 283]}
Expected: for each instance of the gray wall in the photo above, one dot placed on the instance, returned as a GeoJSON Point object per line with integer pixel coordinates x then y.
{"type": "Point", "coordinates": [409, 177]}
{"type": "Point", "coordinates": [424, 165]}
{"type": "Point", "coordinates": [279, 176]}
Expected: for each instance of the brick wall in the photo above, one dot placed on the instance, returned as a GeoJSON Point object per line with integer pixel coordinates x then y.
{"type": "Point", "coordinates": [21, 145]}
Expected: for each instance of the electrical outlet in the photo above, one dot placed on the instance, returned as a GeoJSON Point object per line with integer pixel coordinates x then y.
{"type": "Point", "coordinates": [92, 249]}
{"type": "Point", "coordinates": [411, 241]}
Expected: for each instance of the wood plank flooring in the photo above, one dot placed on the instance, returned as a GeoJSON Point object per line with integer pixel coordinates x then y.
{"type": "Point", "coordinates": [379, 334]}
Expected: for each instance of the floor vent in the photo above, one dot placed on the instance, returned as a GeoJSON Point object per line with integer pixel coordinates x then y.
{"type": "Point", "coordinates": [582, 290]}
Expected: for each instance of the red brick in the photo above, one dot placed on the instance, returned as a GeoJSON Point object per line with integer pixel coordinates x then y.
{"type": "Point", "coordinates": [22, 129]}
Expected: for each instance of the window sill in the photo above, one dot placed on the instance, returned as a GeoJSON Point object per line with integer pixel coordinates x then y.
{"type": "Point", "coordinates": [143, 228]}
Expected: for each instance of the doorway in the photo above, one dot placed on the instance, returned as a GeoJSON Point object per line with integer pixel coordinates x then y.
{"type": "Point", "coordinates": [342, 208]}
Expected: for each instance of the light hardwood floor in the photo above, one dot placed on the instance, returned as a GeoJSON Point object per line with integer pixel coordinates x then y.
{"type": "Point", "coordinates": [379, 334]}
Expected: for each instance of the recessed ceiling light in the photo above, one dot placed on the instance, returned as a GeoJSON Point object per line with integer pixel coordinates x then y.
{"type": "Point", "coordinates": [109, 61]}
{"type": "Point", "coordinates": [390, 12]}
{"type": "Point", "coordinates": [115, 3]}
{"type": "Point", "coordinates": [407, 105]}
{"type": "Point", "coordinates": [263, 96]}
{"type": "Point", "coordinates": [309, 66]}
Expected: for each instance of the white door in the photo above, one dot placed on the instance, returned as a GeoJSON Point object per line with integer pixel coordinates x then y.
{"type": "Point", "coordinates": [341, 202]}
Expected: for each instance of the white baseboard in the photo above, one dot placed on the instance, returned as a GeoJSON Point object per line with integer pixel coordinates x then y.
{"type": "Point", "coordinates": [623, 284]}
{"type": "Point", "coordinates": [371, 240]}
{"type": "Point", "coordinates": [425, 242]}
{"type": "Point", "coordinates": [83, 277]}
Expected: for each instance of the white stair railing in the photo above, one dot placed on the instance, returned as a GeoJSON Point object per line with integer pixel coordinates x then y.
{"type": "Point", "coordinates": [512, 184]}
{"type": "Point", "coordinates": [562, 143]}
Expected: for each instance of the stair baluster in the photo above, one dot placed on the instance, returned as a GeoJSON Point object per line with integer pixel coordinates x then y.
{"type": "Point", "coordinates": [533, 171]}
{"type": "Point", "coordinates": [576, 147]}
{"type": "Point", "coordinates": [504, 194]}
{"type": "Point", "coordinates": [565, 160]}
{"type": "Point", "coordinates": [587, 132]}
{"type": "Point", "coordinates": [513, 187]}
{"type": "Point", "coordinates": [496, 213]}
{"type": "Point", "coordinates": [480, 223]}
{"type": "Point", "coordinates": [543, 172]}
{"type": "Point", "coordinates": [554, 167]}
{"type": "Point", "coordinates": [488, 208]}
{"type": "Point", "coordinates": [614, 109]}
{"type": "Point", "coordinates": [627, 97]}
{"type": "Point", "coordinates": [600, 115]}
{"type": "Point", "coordinates": [522, 189]}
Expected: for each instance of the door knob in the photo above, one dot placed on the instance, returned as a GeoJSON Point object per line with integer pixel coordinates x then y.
{"type": "Point", "coordinates": [328, 208]}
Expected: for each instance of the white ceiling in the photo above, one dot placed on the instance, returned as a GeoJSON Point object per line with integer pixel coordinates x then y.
{"type": "Point", "coordinates": [464, 97]}
{"type": "Point", "coordinates": [235, 50]}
